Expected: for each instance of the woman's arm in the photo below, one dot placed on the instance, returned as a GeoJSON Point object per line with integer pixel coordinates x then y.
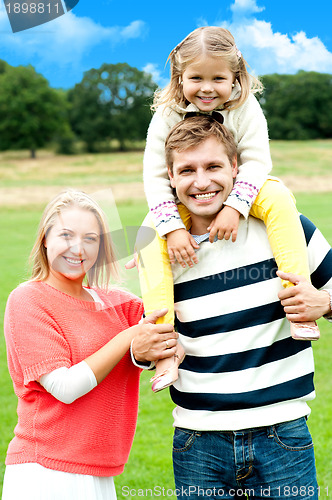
{"type": "Point", "coordinates": [69, 384]}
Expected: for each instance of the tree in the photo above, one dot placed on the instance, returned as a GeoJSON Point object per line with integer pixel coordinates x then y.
{"type": "Point", "coordinates": [111, 102]}
{"type": "Point", "coordinates": [298, 107]}
{"type": "Point", "coordinates": [31, 113]}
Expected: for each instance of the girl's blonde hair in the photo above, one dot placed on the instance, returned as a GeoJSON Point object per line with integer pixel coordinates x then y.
{"type": "Point", "coordinates": [206, 41]}
{"type": "Point", "coordinates": [105, 266]}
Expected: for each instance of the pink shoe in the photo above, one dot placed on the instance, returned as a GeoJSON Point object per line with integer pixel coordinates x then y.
{"type": "Point", "coordinates": [305, 331]}
{"type": "Point", "coordinates": [166, 378]}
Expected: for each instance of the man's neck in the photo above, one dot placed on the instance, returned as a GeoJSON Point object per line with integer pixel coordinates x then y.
{"type": "Point", "coordinates": [199, 225]}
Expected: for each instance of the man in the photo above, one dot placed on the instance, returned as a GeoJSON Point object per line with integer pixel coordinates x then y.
{"type": "Point", "coordinates": [243, 388]}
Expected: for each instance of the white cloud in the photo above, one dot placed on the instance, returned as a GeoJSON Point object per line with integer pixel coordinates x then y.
{"type": "Point", "coordinates": [156, 73]}
{"type": "Point", "coordinates": [245, 6]}
{"type": "Point", "coordinates": [64, 40]}
{"type": "Point", "coordinates": [272, 52]}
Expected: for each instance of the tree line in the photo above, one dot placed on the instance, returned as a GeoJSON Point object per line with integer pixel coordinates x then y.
{"type": "Point", "coordinates": [113, 103]}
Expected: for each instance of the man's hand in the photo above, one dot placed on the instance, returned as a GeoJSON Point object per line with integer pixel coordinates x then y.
{"type": "Point", "coordinates": [181, 247]}
{"type": "Point", "coordinates": [225, 225]}
{"type": "Point", "coordinates": [302, 302]}
{"type": "Point", "coordinates": [154, 341]}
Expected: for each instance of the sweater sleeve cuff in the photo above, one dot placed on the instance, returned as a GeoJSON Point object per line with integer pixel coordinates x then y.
{"type": "Point", "coordinates": [166, 218]}
{"type": "Point", "coordinates": [242, 197]}
{"type": "Point", "coordinates": [144, 365]}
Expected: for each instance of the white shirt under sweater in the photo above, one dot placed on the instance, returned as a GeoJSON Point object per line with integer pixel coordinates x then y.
{"type": "Point", "coordinates": [248, 126]}
{"type": "Point", "coordinates": [242, 368]}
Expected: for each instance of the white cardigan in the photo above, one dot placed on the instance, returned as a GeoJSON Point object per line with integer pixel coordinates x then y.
{"type": "Point", "coordinates": [249, 128]}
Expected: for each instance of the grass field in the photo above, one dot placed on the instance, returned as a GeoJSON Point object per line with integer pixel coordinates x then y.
{"type": "Point", "coordinates": [26, 186]}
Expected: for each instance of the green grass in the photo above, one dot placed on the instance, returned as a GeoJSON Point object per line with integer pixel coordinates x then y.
{"type": "Point", "coordinates": [150, 463]}
{"type": "Point", "coordinates": [308, 158]}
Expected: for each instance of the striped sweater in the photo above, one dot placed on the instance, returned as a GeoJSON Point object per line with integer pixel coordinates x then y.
{"type": "Point", "coordinates": [242, 368]}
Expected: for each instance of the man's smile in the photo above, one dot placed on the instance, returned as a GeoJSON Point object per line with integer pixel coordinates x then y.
{"type": "Point", "coordinates": [204, 196]}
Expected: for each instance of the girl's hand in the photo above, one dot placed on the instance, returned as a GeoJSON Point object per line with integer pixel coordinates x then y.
{"type": "Point", "coordinates": [181, 247]}
{"type": "Point", "coordinates": [225, 224]}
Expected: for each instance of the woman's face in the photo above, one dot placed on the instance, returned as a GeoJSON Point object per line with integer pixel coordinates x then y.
{"type": "Point", "coordinates": [73, 243]}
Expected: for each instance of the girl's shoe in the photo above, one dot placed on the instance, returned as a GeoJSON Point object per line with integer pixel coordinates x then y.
{"type": "Point", "coordinates": [305, 331]}
{"type": "Point", "coordinates": [168, 376]}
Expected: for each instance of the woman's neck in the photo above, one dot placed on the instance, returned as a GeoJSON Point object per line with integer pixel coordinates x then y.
{"type": "Point", "coordinates": [74, 288]}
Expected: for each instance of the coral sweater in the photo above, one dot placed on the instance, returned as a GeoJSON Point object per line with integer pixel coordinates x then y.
{"type": "Point", "coordinates": [46, 329]}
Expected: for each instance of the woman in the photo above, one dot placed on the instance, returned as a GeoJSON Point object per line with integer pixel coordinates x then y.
{"type": "Point", "coordinates": [68, 348]}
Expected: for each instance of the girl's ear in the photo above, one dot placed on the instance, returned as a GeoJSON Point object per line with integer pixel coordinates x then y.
{"type": "Point", "coordinates": [44, 242]}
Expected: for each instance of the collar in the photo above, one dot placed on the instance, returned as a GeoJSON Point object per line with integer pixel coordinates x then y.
{"type": "Point", "coordinates": [199, 238]}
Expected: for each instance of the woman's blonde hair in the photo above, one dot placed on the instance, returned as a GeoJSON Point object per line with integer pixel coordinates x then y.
{"type": "Point", "coordinates": [104, 268]}
{"type": "Point", "coordinates": [206, 41]}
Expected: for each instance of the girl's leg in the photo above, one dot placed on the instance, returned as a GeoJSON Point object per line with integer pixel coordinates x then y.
{"type": "Point", "coordinates": [156, 281]}
{"type": "Point", "coordinates": [275, 206]}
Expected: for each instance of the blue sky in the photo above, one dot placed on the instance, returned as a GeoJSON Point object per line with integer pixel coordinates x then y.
{"type": "Point", "coordinates": [275, 36]}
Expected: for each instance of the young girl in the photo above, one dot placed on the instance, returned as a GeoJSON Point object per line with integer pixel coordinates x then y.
{"type": "Point", "coordinates": [209, 75]}
{"type": "Point", "coordinates": [68, 356]}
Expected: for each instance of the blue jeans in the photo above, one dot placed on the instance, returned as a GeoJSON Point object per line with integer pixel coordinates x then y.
{"type": "Point", "coordinates": [265, 462]}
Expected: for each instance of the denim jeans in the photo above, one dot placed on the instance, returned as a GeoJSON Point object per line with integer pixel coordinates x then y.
{"type": "Point", "coordinates": [265, 462]}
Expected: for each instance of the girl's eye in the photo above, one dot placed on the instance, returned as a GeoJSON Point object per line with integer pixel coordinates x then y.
{"type": "Point", "coordinates": [65, 235]}
{"type": "Point", "coordinates": [91, 239]}
{"type": "Point", "coordinates": [219, 78]}
{"type": "Point", "coordinates": [195, 78]}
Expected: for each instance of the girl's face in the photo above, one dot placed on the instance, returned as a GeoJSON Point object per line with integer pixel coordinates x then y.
{"type": "Point", "coordinates": [73, 244]}
{"type": "Point", "coordinates": [207, 82]}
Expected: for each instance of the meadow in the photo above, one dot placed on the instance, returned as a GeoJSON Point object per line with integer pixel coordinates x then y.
{"type": "Point", "coordinates": [25, 187]}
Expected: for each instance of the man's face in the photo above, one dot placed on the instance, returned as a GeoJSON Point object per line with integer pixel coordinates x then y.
{"type": "Point", "coordinates": [203, 177]}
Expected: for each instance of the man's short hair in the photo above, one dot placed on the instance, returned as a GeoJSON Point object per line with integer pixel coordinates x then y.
{"type": "Point", "coordinates": [190, 132]}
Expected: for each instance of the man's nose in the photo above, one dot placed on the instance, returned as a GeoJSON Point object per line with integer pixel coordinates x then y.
{"type": "Point", "coordinates": [202, 180]}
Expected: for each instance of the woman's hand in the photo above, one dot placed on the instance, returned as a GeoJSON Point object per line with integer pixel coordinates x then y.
{"type": "Point", "coordinates": [153, 341]}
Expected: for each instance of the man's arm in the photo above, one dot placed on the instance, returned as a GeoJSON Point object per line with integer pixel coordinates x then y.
{"type": "Point", "coordinates": [303, 302]}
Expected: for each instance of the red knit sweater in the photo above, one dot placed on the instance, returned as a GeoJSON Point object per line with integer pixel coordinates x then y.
{"type": "Point", "coordinates": [46, 329]}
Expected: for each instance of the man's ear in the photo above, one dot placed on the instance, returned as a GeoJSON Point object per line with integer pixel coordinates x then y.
{"type": "Point", "coordinates": [234, 167]}
{"type": "Point", "coordinates": [171, 177]}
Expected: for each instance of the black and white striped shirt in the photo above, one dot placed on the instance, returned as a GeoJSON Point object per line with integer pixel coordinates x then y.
{"type": "Point", "coordinates": [242, 368]}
